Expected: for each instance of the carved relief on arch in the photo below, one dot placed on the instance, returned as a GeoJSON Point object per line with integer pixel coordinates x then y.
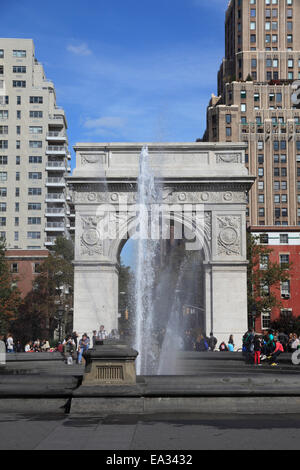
{"type": "Point", "coordinates": [228, 157]}
{"type": "Point", "coordinates": [93, 159]}
{"type": "Point", "coordinates": [229, 235]}
{"type": "Point", "coordinates": [90, 241]}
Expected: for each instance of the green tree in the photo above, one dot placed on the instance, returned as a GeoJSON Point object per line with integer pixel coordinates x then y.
{"type": "Point", "coordinates": [52, 288]}
{"type": "Point", "coordinates": [263, 277]}
{"type": "Point", "coordinates": [9, 295]}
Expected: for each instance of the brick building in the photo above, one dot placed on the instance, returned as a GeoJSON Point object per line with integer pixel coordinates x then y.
{"type": "Point", "coordinates": [285, 245]}
{"type": "Point", "coordinates": [23, 264]}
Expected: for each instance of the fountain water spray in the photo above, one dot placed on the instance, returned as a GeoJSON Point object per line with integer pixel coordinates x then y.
{"type": "Point", "coordinates": [148, 194]}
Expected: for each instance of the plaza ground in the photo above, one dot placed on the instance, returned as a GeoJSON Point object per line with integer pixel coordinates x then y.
{"type": "Point", "coordinates": [268, 418]}
{"type": "Point", "coordinates": [153, 432]}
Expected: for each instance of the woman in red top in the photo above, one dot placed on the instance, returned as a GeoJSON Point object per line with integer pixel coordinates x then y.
{"type": "Point", "coordinates": [277, 351]}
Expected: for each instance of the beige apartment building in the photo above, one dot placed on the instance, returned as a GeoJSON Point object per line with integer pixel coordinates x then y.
{"type": "Point", "coordinates": [34, 156]}
{"type": "Point", "coordinates": [254, 105]}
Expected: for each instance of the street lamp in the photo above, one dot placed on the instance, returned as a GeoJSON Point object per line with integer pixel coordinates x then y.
{"type": "Point", "coordinates": [60, 314]}
{"type": "Point", "coordinates": [253, 316]}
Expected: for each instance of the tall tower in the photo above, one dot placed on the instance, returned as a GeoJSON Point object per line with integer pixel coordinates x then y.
{"type": "Point", "coordinates": [254, 105]}
{"type": "Point", "coordinates": [34, 156]}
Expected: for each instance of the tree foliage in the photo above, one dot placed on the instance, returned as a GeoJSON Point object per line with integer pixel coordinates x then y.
{"type": "Point", "coordinates": [53, 287]}
{"type": "Point", "coordinates": [9, 295]}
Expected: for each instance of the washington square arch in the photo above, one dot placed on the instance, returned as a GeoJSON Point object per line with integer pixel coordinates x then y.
{"type": "Point", "coordinates": [212, 177]}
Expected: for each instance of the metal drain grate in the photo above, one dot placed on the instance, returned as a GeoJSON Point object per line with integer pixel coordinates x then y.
{"type": "Point", "coordinates": [111, 373]}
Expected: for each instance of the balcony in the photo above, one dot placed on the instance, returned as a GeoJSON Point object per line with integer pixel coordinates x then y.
{"type": "Point", "coordinates": [57, 119]}
{"type": "Point", "coordinates": [55, 197]}
{"type": "Point", "coordinates": [55, 212]}
{"type": "Point", "coordinates": [56, 136]}
{"type": "Point", "coordinates": [58, 165]}
{"type": "Point", "coordinates": [57, 150]}
{"type": "Point", "coordinates": [55, 227]}
{"type": "Point", "coordinates": [56, 181]}
{"type": "Point", "coordinates": [50, 241]}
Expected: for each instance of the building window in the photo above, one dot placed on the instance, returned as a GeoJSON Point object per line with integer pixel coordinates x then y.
{"type": "Point", "coordinates": [35, 175]}
{"type": "Point", "coordinates": [265, 320]}
{"type": "Point", "coordinates": [36, 114]}
{"type": "Point", "coordinates": [36, 100]}
{"type": "Point", "coordinates": [264, 262]}
{"type": "Point", "coordinates": [284, 261]}
{"type": "Point", "coordinates": [34, 206]}
{"type": "Point", "coordinates": [34, 235]}
{"type": "Point", "coordinates": [284, 239]}
{"type": "Point", "coordinates": [14, 268]}
{"type": "Point", "coordinates": [19, 83]}
{"type": "Point", "coordinates": [3, 114]}
{"type": "Point", "coordinates": [34, 220]}
{"type": "Point", "coordinates": [35, 130]}
{"type": "Point", "coordinates": [264, 239]}
{"type": "Point", "coordinates": [36, 268]}
{"type": "Point", "coordinates": [35, 159]}
{"type": "Point", "coordinates": [19, 53]}
{"type": "Point", "coordinates": [285, 289]}
{"type": "Point", "coordinates": [35, 144]}
{"type": "Point", "coordinates": [19, 69]}
{"type": "Point", "coordinates": [34, 191]}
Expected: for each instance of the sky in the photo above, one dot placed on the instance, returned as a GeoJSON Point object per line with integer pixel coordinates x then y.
{"type": "Point", "coordinates": [126, 70]}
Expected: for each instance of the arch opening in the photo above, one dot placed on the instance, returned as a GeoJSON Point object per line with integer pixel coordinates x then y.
{"type": "Point", "coordinates": [176, 293]}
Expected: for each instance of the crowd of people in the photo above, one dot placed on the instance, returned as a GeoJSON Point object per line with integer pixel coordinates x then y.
{"type": "Point", "coordinates": [71, 346]}
{"type": "Point", "coordinates": [256, 347]}
{"type": "Point", "coordinates": [268, 346]}
{"type": "Point", "coordinates": [202, 343]}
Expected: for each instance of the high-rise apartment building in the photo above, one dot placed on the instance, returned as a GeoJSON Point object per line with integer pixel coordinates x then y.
{"type": "Point", "coordinates": [254, 105]}
{"type": "Point", "coordinates": [34, 156]}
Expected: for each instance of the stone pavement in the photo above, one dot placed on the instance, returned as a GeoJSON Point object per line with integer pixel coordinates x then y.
{"type": "Point", "coordinates": [152, 432]}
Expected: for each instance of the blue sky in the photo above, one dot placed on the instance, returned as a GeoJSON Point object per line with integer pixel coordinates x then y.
{"type": "Point", "coordinates": [126, 70]}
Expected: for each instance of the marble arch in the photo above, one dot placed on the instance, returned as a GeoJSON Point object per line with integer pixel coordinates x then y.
{"type": "Point", "coordinates": [212, 176]}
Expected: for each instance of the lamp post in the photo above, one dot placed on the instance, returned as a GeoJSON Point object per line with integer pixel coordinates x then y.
{"type": "Point", "coordinates": [60, 314]}
{"type": "Point", "coordinates": [253, 316]}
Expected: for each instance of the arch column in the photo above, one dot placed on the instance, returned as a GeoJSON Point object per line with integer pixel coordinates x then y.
{"type": "Point", "coordinates": [96, 299]}
{"type": "Point", "coordinates": [226, 300]}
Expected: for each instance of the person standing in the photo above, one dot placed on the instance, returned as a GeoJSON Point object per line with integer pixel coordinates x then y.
{"type": "Point", "coordinates": [257, 350]}
{"type": "Point", "coordinates": [75, 338]}
{"type": "Point", "coordinates": [231, 343]}
{"type": "Point", "coordinates": [84, 345]}
{"type": "Point", "coordinates": [212, 342]}
{"type": "Point", "coordinates": [9, 343]}
{"type": "Point", "coordinates": [102, 333]}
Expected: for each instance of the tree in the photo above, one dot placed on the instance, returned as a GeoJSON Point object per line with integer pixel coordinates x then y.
{"type": "Point", "coordinates": [53, 287]}
{"type": "Point", "coordinates": [264, 277]}
{"type": "Point", "coordinates": [287, 324]}
{"type": "Point", "coordinates": [9, 295]}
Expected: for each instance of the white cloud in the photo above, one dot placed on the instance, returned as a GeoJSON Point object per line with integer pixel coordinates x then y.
{"type": "Point", "coordinates": [107, 125]}
{"type": "Point", "coordinates": [81, 49]}
{"type": "Point", "coordinates": [106, 122]}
